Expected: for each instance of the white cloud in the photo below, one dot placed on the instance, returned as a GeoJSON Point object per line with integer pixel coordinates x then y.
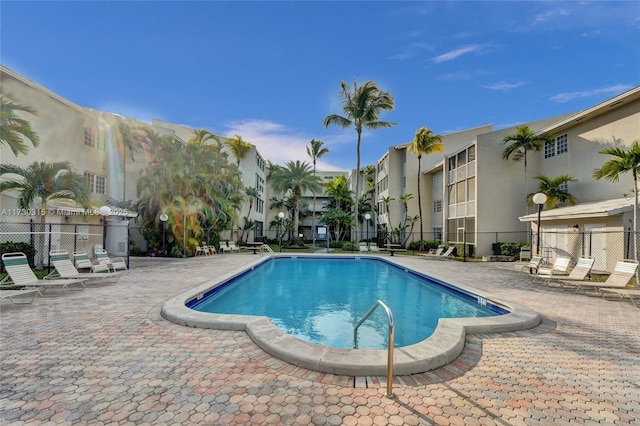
{"type": "Point", "coordinates": [604, 91]}
{"type": "Point", "coordinates": [449, 56]}
{"type": "Point", "coordinates": [504, 86]}
{"type": "Point", "coordinates": [277, 143]}
{"type": "Point", "coordinates": [550, 15]}
{"type": "Point", "coordinates": [410, 51]}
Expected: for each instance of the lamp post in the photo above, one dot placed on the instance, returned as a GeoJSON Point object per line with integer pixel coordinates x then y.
{"type": "Point", "coordinates": [280, 217]}
{"type": "Point", "coordinates": [163, 219]}
{"type": "Point", "coordinates": [539, 199]}
{"type": "Point", "coordinates": [367, 217]}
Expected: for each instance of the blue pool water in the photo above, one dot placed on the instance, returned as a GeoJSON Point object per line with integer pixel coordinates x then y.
{"type": "Point", "coordinates": [319, 300]}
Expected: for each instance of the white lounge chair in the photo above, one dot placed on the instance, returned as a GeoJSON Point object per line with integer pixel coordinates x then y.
{"type": "Point", "coordinates": [81, 261]}
{"type": "Point", "coordinates": [233, 246]}
{"type": "Point", "coordinates": [200, 251]}
{"type": "Point", "coordinates": [532, 265]}
{"type": "Point", "coordinates": [20, 273]}
{"type": "Point", "coordinates": [17, 297]}
{"type": "Point", "coordinates": [560, 267]}
{"type": "Point", "coordinates": [630, 294]}
{"type": "Point", "coordinates": [115, 263]}
{"type": "Point", "coordinates": [363, 247]}
{"type": "Point", "coordinates": [64, 269]}
{"type": "Point", "coordinates": [441, 253]}
{"type": "Point", "coordinates": [579, 272]}
{"type": "Point", "coordinates": [619, 278]}
{"type": "Point", "coordinates": [373, 247]}
{"type": "Point", "coordinates": [208, 250]}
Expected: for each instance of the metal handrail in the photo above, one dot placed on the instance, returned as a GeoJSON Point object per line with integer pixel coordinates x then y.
{"type": "Point", "coordinates": [390, 343]}
{"type": "Point", "coordinates": [266, 246]}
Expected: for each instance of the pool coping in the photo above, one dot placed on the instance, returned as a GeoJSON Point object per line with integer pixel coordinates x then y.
{"type": "Point", "coordinates": [442, 347]}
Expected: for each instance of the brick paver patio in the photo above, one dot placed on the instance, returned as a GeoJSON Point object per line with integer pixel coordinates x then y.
{"type": "Point", "coordinates": [105, 356]}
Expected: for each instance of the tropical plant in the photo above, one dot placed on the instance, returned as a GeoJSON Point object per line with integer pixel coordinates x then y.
{"type": "Point", "coordinates": [623, 162]}
{"type": "Point", "coordinates": [553, 188]}
{"type": "Point", "coordinates": [424, 143]}
{"type": "Point", "coordinates": [315, 150]}
{"type": "Point", "coordinates": [48, 182]}
{"type": "Point", "coordinates": [362, 107]}
{"type": "Point", "coordinates": [13, 128]}
{"type": "Point", "coordinates": [521, 142]}
{"type": "Point", "coordinates": [195, 170]}
{"type": "Point", "coordinates": [252, 194]}
{"type": "Point", "coordinates": [299, 178]}
{"type": "Point", "coordinates": [386, 201]}
{"type": "Point", "coordinates": [239, 149]}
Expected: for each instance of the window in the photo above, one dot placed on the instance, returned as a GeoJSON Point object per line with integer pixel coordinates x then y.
{"type": "Point", "coordinates": [460, 192]}
{"type": "Point", "coordinates": [89, 137]}
{"type": "Point", "coordinates": [559, 146]}
{"type": "Point", "coordinates": [259, 183]}
{"type": "Point", "coordinates": [437, 234]}
{"type": "Point", "coordinates": [437, 206]}
{"type": "Point", "coordinates": [564, 187]}
{"type": "Point", "coordinates": [96, 184]}
{"type": "Point", "coordinates": [462, 158]}
{"type": "Point", "coordinates": [451, 190]}
{"type": "Point", "coordinates": [452, 163]}
{"type": "Point", "coordinates": [472, 153]}
{"type": "Point", "coordinates": [471, 189]}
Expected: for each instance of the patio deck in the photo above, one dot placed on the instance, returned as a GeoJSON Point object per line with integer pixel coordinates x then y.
{"type": "Point", "coordinates": [105, 356]}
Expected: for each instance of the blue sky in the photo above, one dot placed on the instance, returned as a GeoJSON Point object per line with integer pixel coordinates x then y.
{"type": "Point", "coordinates": [271, 71]}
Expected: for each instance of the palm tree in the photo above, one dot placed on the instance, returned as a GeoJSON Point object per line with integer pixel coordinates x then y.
{"type": "Point", "coordinates": [623, 162]}
{"type": "Point", "coordinates": [553, 189]}
{"type": "Point", "coordinates": [13, 128]}
{"type": "Point", "coordinates": [239, 148]}
{"type": "Point", "coordinates": [523, 141]}
{"type": "Point", "coordinates": [315, 151]}
{"type": "Point", "coordinates": [47, 181]}
{"type": "Point", "coordinates": [299, 178]}
{"type": "Point", "coordinates": [252, 194]}
{"type": "Point", "coordinates": [424, 143]}
{"type": "Point", "coordinates": [362, 108]}
{"type": "Point", "coordinates": [386, 201]}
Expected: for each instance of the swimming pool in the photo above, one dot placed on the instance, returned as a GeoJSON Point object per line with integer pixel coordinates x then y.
{"type": "Point", "coordinates": [320, 299]}
{"type": "Point", "coordinates": [443, 346]}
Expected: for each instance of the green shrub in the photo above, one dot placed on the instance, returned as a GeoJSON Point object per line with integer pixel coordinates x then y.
{"type": "Point", "coordinates": [349, 246]}
{"type": "Point", "coordinates": [510, 249]}
{"type": "Point", "coordinates": [470, 250]}
{"type": "Point", "coordinates": [428, 245]}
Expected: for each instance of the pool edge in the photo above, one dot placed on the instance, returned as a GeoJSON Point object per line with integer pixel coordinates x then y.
{"type": "Point", "coordinates": [441, 348]}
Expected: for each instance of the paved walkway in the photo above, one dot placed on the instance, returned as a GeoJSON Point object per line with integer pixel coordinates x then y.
{"type": "Point", "coordinates": [105, 356]}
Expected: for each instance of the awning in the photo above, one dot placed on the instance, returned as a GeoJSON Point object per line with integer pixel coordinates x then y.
{"type": "Point", "coordinates": [584, 210]}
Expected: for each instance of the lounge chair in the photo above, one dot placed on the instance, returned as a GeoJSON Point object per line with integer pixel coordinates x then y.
{"type": "Point", "coordinates": [208, 250]}
{"type": "Point", "coordinates": [579, 272]}
{"type": "Point", "coordinates": [373, 247]}
{"type": "Point", "coordinates": [20, 273]}
{"type": "Point", "coordinates": [619, 278]}
{"type": "Point", "coordinates": [17, 296]}
{"type": "Point", "coordinates": [81, 261]}
{"type": "Point", "coordinates": [532, 265]}
{"type": "Point", "coordinates": [115, 263]}
{"type": "Point", "coordinates": [630, 294]}
{"type": "Point", "coordinates": [200, 251]}
{"type": "Point", "coordinates": [233, 246]}
{"type": "Point", "coordinates": [446, 254]}
{"type": "Point", "coordinates": [560, 267]}
{"type": "Point", "coordinates": [363, 247]}
{"type": "Point", "coordinates": [64, 269]}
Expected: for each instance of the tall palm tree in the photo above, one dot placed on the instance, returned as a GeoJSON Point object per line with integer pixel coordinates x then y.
{"type": "Point", "coordinates": [386, 201]}
{"type": "Point", "coordinates": [424, 143]}
{"type": "Point", "coordinates": [315, 150]}
{"type": "Point", "coordinates": [13, 128]}
{"type": "Point", "coordinates": [521, 142]}
{"type": "Point", "coordinates": [47, 181]}
{"type": "Point", "coordinates": [553, 189]}
{"type": "Point", "coordinates": [362, 108]}
{"type": "Point", "coordinates": [299, 178]}
{"type": "Point", "coordinates": [623, 162]}
{"type": "Point", "coordinates": [239, 149]}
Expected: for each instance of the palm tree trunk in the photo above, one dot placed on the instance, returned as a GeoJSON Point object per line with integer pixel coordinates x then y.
{"type": "Point", "coordinates": [635, 218]}
{"type": "Point", "coordinates": [357, 184]}
{"type": "Point", "coordinates": [420, 206]}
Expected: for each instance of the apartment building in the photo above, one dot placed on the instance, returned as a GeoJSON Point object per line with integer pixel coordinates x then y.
{"type": "Point", "coordinates": [471, 194]}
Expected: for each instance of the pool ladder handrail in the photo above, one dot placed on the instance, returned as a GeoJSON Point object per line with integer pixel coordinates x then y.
{"type": "Point", "coordinates": [390, 343]}
{"type": "Point", "coordinates": [266, 247]}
